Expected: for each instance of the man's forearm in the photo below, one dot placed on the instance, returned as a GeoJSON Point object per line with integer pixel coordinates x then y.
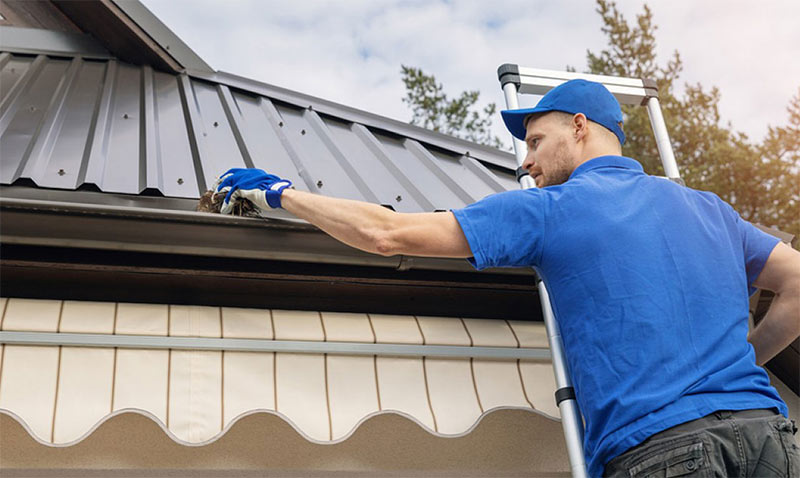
{"type": "Point", "coordinates": [357, 224]}
{"type": "Point", "coordinates": [779, 327]}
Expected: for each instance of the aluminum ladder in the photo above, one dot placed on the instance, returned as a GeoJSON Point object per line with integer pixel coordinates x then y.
{"type": "Point", "coordinates": [516, 80]}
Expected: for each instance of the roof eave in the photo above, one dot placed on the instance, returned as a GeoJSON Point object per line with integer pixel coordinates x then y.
{"type": "Point", "coordinates": [133, 34]}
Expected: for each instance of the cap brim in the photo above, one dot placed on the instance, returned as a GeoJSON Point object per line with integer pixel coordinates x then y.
{"type": "Point", "coordinates": [515, 120]}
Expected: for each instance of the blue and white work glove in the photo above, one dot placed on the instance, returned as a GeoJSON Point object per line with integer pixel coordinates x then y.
{"type": "Point", "coordinates": [262, 189]}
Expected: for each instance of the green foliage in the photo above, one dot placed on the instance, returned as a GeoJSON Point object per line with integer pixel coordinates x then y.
{"type": "Point", "coordinates": [761, 181]}
{"type": "Point", "coordinates": [432, 109]}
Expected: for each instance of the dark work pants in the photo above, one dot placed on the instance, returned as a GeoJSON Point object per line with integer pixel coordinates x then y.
{"type": "Point", "coordinates": [746, 443]}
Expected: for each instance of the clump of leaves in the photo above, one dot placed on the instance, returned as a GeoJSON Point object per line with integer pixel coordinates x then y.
{"type": "Point", "coordinates": [212, 202]}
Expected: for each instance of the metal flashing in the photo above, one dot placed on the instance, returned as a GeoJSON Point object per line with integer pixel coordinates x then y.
{"type": "Point", "coordinates": [161, 34]}
{"type": "Point", "coordinates": [36, 41]}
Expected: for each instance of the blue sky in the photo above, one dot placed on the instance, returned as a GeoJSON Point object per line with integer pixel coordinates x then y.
{"type": "Point", "coordinates": [351, 51]}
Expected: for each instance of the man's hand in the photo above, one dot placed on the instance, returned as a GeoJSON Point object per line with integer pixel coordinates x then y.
{"type": "Point", "coordinates": [262, 189]}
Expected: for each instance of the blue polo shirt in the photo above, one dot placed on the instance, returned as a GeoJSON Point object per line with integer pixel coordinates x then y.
{"type": "Point", "coordinates": [649, 282]}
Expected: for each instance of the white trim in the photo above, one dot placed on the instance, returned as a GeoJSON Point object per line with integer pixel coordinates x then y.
{"type": "Point", "coordinates": [263, 345]}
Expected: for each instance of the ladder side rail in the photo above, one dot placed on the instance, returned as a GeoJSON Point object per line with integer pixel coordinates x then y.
{"type": "Point", "coordinates": [571, 420]}
{"type": "Point", "coordinates": [662, 138]}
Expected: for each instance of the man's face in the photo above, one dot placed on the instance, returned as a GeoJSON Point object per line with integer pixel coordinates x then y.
{"type": "Point", "coordinates": [550, 159]}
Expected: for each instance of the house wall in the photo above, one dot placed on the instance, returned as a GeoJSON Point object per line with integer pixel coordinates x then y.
{"type": "Point", "coordinates": [56, 399]}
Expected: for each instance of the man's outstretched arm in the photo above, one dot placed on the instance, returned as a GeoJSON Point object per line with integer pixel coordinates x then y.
{"type": "Point", "coordinates": [378, 230]}
{"type": "Point", "coordinates": [781, 325]}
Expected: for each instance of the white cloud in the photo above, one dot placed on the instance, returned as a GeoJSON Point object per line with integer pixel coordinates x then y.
{"type": "Point", "coordinates": [351, 51]}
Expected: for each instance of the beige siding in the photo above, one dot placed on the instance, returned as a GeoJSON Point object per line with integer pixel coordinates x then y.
{"type": "Point", "coordinates": [86, 374]}
{"type": "Point", "coordinates": [346, 327]}
{"type": "Point", "coordinates": [402, 387]}
{"type": "Point", "coordinates": [443, 331]}
{"type": "Point", "coordinates": [142, 376]}
{"type": "Point", "coordinates": [452, 394]}
{"type": "Point", "coordinates": [530, 334]}
{"type": "Point", "coordinates": [248, 378]}
{"type": "Point", "coordinates": [195, 383]}
{"type": "Point", "coordinates": [29, 377]}
{"type": "Point", "coordinates": [297, 325]}
{"type": "Point", "coordinates": [353, 392]}
{"type": "Point", "coordinates": [540, 385]}
{"type": "Point", "coordinates": [498, 384]}
{"type": "Point", "coordinates": [302, 392]}
{"type": "Point", "coordinates": [397, 329]}
{"type": "Point", "coordinates": [62, 392]}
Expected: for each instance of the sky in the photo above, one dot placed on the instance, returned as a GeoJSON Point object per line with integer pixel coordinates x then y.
{"type": "Point", "coordinates": [351, 52]}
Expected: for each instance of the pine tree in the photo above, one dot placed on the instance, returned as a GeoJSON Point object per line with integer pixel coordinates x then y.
{"type": "Point", "coordinates": [432, 109]}
{"type": "Point", "coordinates": [761, 181]}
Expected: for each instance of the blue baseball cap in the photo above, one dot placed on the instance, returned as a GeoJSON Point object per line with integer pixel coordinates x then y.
{"type": "Point", "coordinates": [575, 96]}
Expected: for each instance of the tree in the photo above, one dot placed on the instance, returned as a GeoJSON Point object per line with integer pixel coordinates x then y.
{"type": "Point", "coordinates": [761, 181]}
{"type": "Point", "coordinates": [432, 109]}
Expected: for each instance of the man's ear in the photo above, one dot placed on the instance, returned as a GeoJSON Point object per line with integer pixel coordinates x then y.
{"type": "Point", "coordinates": [580, 126]}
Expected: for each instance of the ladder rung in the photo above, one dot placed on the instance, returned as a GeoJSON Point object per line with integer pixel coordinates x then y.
{"type": "Point", "coordinates": [628, 91]}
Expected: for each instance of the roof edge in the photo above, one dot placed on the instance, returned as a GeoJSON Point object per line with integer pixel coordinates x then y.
{"type": "Point", "coordinates": [132, 33]}
{"type": "Point", "coordinates": [162, 35]}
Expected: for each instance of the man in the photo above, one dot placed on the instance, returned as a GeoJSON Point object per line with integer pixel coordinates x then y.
{"type": "Point", "coordinates": [649, 281]}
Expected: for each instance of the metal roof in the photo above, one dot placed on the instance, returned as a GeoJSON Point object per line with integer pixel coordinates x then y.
{"type": "Point", "coordinates": [70, 123]}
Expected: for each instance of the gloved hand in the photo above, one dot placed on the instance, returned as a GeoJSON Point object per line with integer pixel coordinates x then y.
{"type": "Point", "coordinates": [262, 189]}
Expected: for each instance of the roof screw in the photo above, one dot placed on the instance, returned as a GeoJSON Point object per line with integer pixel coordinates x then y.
{"type": "Point", "coordinates": [466, 154]}
{"type": "Point", "coordinates": [280, 124]}
{"type": "Point", "coordinates": [61, 172]}
{"type": "Point", "coordinates": [167, 47]}
{"type": "Point", "coordinates": [399, 198]}
{"type": "Point", "coordinates": [310, 107]}
{"type": "Point", "coordinates": [216, 124]}
{"type": "Point", "coordinates": [125, 116]}
{"type": "Point", "coordinates": [33, 108]}
{"type": "Point", "coordinates": [13, 70]}
{"type": "Point", "coordinates": [319, 184]}
{"type": "Point", "coordinates": [180, 180]}
{"type": "Point", "coordinates": [302, 131]}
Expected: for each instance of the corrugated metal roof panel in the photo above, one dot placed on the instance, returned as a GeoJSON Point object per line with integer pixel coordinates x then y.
{"type": "Point", "coordinates": [65, 123]}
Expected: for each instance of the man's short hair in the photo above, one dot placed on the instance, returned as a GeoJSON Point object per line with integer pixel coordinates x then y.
{"type": "Point", "coordinates": [566, 120]}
